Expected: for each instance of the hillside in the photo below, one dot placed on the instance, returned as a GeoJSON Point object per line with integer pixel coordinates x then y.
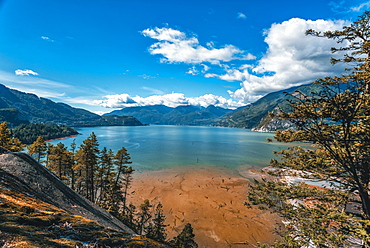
{"type": "Point", "coordinates": [181, 115]}
{"type": "Point", "coordinates": [256, 115]}
{"type": "Point", "coordinates": [36, 109]}
{"type": "Point", "coordinates": [38, 210]}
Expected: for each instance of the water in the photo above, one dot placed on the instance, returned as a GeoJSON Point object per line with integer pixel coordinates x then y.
{"type": "Point", "coordinates": [157, 147]}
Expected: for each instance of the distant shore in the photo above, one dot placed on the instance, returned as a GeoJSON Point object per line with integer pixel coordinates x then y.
{"type": "Point", "coordinates": [209, 198]}
{"type": "Point", "coordinates": [65, 137]}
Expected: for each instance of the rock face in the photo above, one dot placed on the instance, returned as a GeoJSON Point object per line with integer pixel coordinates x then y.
{"type": "Point", "coordinates": [48, 188]}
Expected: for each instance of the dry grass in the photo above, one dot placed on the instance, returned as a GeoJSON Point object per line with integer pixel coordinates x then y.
{"type": "Point", "coordinates": [26, 221]}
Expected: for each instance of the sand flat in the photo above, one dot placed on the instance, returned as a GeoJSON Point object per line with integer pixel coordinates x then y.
{"type": "Point", "coordinates": [209, 198]}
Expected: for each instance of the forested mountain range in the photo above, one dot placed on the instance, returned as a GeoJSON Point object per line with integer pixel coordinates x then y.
{"type": "Point", "coordinates": [181, 115]}
{"type": "Point", "coordinates": [18, 107]}
{"type": "Point", "coordinates": [253, 116]}
{"type": "Point", "coordinates": [256, 115]}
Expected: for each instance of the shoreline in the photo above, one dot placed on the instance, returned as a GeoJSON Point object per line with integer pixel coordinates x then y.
{"type": "Point", "coordinates": [65, 137]}
{"type": "Point", "coordinates": [211, 199]}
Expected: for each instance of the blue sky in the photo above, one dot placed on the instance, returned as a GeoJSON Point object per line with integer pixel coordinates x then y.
{"type": "Point", "coordinates": [107, 54]}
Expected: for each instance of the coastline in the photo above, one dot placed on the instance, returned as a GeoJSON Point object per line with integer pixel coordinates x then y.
{"type": "Point", "coordinates": [65, 137]}
{"type": "Point", "coordinates": [209, 198]}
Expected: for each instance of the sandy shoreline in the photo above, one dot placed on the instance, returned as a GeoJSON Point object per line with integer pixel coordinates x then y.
{"type": "Point", "coordinates": [209, 198]}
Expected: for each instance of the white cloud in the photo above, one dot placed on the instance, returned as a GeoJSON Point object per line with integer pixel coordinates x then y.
{"type": "Point", "coordinates": [47, 38]}
{"type": "Point", "coordinates": [292, 59]}
{"type": "Point", "coordinates": [170, 100]}
{"type": "Point", "coordinates": [359, 8]}
{"type": "Point", "coordinates": [193, 71]}
{"type": "Point", "coordinates": [175, 47]}
{"type": "Point", "coordinates": [39, 86]}
{"type": "Point", "coordinates": [25, 72]}
{"type": "Point", "coordinates": [241, 16]}
{"type": "Point", "coordinates": [146, 76]}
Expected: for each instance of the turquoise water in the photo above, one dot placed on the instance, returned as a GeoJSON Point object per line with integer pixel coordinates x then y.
{"type": "Point", "coordinates": [158, 147]}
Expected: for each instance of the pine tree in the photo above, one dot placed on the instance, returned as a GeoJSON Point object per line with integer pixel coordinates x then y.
{"type": "Point", "coordinates": [124, 173]}
{"type": "Point", "coordinates": [185, 239]}
{"type": "Point", "coordinates": [104, 178]}
{"type": "Point", "coordinates": [143, 217]}
{"type": "Point", "coordinates": [38, 149]}
{"type": "Point", "coordinates": [61, 163]}
{"type": "Point", "coordinates": [156, 229]}
{"type": "Point", "coordinates": [128, 218]}
{"type": "Point", "coordinates": [86, 163]}
{"type": "Point", "coordinates": [336, 121]}
{"type": "Point", "coordinates": [7, 141]}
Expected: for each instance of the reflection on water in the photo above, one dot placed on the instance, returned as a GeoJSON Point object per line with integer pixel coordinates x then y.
{"type": "Point", "coordinates": [157, 147]}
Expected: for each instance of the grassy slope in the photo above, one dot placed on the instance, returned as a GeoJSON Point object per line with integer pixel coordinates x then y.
{"type": "Point", "coordinates": [26, 221]}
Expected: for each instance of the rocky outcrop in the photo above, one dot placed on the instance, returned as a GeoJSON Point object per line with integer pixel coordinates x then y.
{"type": "Point", "coordinates": [48, 188]}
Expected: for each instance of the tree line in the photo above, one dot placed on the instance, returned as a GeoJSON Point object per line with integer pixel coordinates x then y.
{"type": "Point", "coordinates": [103, 177]}
{"type": "Point", "coordinates": [28, 133]}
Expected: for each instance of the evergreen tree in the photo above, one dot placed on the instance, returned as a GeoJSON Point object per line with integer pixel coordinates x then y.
{"type": "Point", "coordinates": [336, 121]}
{"type": "Point", "coordinates": [128, 218]}
{"type": "Point", "coordinates": [61, 163]}
{"type": "Point", "coordinates": [7, 141]}
{"type": "Point", "coordinates": [104, 178]}
{"type": "Point", "coordinates": [156, 229]}
{"type": "Point", "coordinates": [86, 164]}
{"type": "Point", "coordinates": [124, 173]}
{"type": "Point", "coordinates": [185, 239]}
{"type": "Point", "coordinates": [143, 217]}
{"type": "Point", "coordinates": [38, 149]}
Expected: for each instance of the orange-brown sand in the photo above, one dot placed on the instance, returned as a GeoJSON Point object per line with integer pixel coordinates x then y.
{"type": "Point", "coordinates": [209, 198]}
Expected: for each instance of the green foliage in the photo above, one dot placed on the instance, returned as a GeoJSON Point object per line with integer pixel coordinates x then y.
{"type": "Point", "coordinates": [336, 121]}
{"type": "Point", "coordinates": [185, 239]}
{"type": "Point", "coordinates": [13, 117]}
{"type": "Point", "coordinates": [8, 141]}
{"type": "Point", "coordinates": [181, 115]}
{"type": "Point", "coordinates": [41, 110]}
{"type": "Point", "coordinates": [86, 165]}
{"type": "Point", "coordinates": [156, 229]}
{"type": "Point", "coordinates": [38, 148]}
{"type": "Point", "coordinates": [28, 133]}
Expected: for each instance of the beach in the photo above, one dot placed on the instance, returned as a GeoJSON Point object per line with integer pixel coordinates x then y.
{"type": "Point", "coordinates": [211, 199]}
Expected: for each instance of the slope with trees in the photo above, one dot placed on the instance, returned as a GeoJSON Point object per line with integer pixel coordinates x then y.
{"type": "Point", "coordinates": [41, 110]}
{"type": "Point", "coordinates": [99, 175]}
{"type": "Point", "coordinates": [181, 115]}
{"type": "Point", "coordinates": [28, 133]}
{"type": "Point", "coordinates": [336, 121]}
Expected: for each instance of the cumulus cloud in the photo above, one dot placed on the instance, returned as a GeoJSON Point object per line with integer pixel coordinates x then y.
{"type": "Point", "coordinates": [25, 72]}
{"type": "Point", "coordinates": [292, 59]}
{"type": "Point", "coordinates": [170, 100]}
{"type": "Point", "coordinates": [176, 47]}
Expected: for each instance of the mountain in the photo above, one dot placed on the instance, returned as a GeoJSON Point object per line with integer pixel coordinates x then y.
{"type": "Point", "coordinates": [181, 115]}
{"type": "Point", "coordinates": [146, 114]}
{"type": "Point", "coordinates": [13, 116]}
{"type": "Point", "coordinates": [39, 210]}
{"type": "Point", "coordinates": [256, 115]}
{"type": "Point", "coordinates": [36, 109]}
